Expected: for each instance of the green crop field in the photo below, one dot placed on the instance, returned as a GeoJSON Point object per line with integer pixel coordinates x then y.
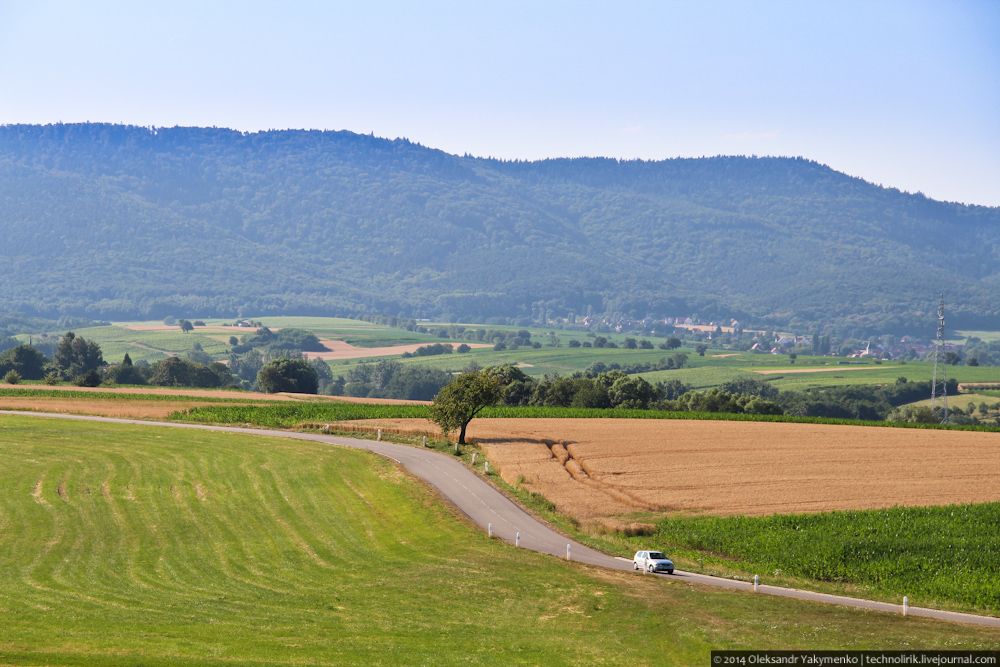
{"type": "Point", "coordinates": [129, 545]}
{"type": "Point", "coordinates": [945, 556]}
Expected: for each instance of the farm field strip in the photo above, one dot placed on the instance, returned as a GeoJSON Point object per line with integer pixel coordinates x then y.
{"type": "Point", "coordinates": [145, 393]}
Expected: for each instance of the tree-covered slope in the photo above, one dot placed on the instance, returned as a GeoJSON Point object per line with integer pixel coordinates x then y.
{"type": "Point", "coordinates": [117, 221]}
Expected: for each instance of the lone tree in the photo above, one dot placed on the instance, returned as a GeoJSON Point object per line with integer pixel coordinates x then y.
{"type": "Point", "coordinates": [463, 398]}
{"type": "Point", "coordinates": [295, 375]}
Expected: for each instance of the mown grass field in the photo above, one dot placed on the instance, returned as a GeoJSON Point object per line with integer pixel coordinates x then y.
{"type": "Point", "coordinates": [137, 545]}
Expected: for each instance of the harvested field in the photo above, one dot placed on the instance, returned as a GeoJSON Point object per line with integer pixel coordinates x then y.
{"type": "Point", "coordinates": [338, 350]}
{"type": "Point", "coordinates": [604, 470]}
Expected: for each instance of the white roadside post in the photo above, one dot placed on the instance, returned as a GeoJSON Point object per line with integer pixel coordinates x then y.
{"type": "Point", "coordinates": [378, 435]}
{"type": "Point", "coordinates": [474, 455]}
{"type": "Point", "coordinates": [517, 538]}
{"type": "Point", "coordinates": [424, 441]}
{"type": "Point", "coordinates": [906, 605]}
{"type": "Point", "coordinates": [568, 557]}
{"type": "Point", "coordinates": [456, 449]}
{"type": "Point", "coordinates": [486, 467]}
{"type": "Point", "coordinates": [756, 582]}
{"type": "Point", "coordinates": [489, 529]}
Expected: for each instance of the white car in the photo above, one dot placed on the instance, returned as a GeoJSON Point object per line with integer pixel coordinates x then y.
{"type": "Point", "coordinates": [652, 561]}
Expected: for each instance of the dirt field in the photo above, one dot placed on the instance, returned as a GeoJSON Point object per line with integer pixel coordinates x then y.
{"type": "Point", "coordinates": [601, 470]}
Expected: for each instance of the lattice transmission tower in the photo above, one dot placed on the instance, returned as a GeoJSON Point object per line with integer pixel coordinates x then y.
{"type": "Point", "coordinates": [939, 382]}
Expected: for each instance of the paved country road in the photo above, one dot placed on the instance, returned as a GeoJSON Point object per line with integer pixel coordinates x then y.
{"type": "Point", "coordinates": [484, 505]}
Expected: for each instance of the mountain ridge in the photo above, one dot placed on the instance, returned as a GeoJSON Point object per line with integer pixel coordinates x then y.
{"type": "Point", "coordinates": [122, 221]}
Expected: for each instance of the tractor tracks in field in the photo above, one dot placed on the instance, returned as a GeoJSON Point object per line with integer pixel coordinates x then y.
{"type": "Point", "coordinates": [568, 455]}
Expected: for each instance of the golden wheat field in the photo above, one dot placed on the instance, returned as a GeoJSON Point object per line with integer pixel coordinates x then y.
{"type": "Point", "coordinates": [606, 470]}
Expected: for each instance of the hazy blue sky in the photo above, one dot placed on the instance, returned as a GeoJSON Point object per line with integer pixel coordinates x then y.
{"type": "Point", "coordinates": [901, 93]}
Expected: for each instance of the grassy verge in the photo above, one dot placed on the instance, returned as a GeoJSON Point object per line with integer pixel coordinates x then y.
{"type": "Point", "coordinates": [124, 545]}
{"type": "Point", "coordinates": [288, 415]}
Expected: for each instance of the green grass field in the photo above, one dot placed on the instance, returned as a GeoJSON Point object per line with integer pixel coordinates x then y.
{"type": "Point", "coordinates": [130, 545]}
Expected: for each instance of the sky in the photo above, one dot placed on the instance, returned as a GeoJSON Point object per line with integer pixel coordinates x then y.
{"type": "Point", "coordinates": [905, 94]}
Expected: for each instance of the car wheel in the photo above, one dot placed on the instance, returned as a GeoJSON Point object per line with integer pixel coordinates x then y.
{"type": "Point", "coordinates": [649, 569]}
{"type": "Point", "coordinates": [635, 566]}
{"type": "Point", "coordinates": [670, 571]}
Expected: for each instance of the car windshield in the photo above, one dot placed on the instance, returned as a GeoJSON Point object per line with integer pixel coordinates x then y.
{"type": "Point", "coordinates": [657, 555]}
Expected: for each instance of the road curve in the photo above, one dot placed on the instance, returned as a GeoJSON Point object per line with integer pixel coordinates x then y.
{"type": "Point", "coordinates": [484, 505]}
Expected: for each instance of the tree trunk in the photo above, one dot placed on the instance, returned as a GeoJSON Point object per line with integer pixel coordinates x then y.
{"type": "Point", "coordinates": [461, 434]}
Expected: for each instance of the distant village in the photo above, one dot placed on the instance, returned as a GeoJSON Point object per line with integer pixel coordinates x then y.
{"type": "Point", "coordinates": [732, 333]}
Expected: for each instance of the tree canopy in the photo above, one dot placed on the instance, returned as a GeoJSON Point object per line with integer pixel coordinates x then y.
{"type": "Point", "coordinates": [462, 399]}
{"type": "Point", "coordinates": [294, 375]}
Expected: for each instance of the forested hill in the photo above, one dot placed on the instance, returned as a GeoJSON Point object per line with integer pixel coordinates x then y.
{"type": "Point", "coordinates": [117, 221]}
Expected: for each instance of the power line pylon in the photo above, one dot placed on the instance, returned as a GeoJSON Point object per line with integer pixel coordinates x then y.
{"type": "Point", "coordinates": [939, 382]}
